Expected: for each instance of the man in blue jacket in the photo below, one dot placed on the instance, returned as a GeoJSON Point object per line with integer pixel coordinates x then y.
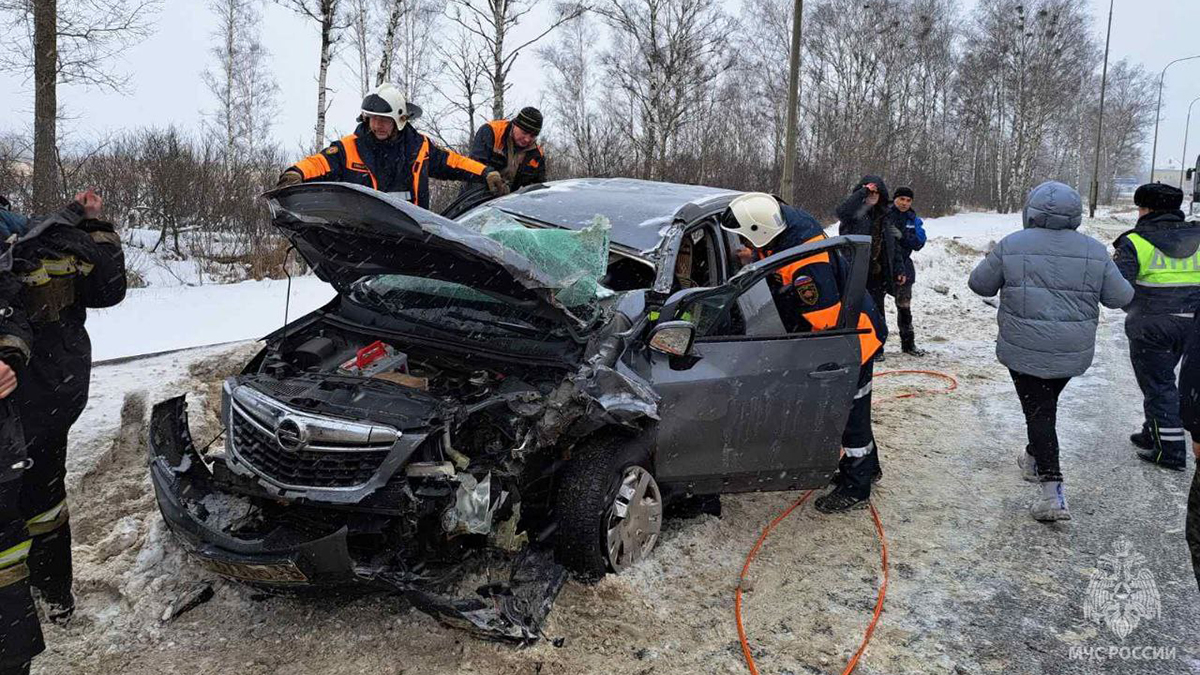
{"type": "Point", "coordinates": [906, 227]}
{"type": "Point", "coordinates": [1160, 256]}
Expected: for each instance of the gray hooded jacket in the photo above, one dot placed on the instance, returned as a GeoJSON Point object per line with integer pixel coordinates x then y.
{"type": "Point", "coordinates": [1051, 279]}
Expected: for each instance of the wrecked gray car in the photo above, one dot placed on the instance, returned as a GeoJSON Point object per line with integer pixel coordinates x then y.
{"type": "Point", "coordinates": [523, 388]}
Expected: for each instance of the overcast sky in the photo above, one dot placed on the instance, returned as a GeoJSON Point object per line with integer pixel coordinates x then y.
{"type": "Point", "coordinates": [165, 85]}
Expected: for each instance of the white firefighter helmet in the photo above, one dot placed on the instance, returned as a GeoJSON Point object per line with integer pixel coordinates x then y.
{"type": "Point", "coordinates": [755, 216]}
{"type": "Point", "coordinates": [387, 100]}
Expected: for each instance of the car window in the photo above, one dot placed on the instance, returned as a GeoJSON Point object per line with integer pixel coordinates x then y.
{"type": "Point", "coordinates": [800, 297]}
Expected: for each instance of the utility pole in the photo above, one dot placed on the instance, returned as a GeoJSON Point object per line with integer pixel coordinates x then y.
{"type": "Point", "coordinates": [1158, 108]}
{"type": "Point", "coordinates": [1100, 122]}
{"type": "Point", "coordinates": [1183, 160]}
{"type": "Point", "coordinates": [786, 188]}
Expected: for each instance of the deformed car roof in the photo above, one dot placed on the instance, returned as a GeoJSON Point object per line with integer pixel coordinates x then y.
{"type": "Point", "coordinates": [638, 209]}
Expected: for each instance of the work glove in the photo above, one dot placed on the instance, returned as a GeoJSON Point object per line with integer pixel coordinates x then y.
{"type": "Point", "coordinates": [496, 184]}
{"type": "Point", "coordinates": [12, 223]}
{"type": "Point", "coordinates": [289, 177]}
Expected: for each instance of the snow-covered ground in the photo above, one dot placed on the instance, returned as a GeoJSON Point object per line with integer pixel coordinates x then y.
{"type": "Point", "coordinates": [158, 319]}
{"type": "Point", "coordinates": [976, 585]}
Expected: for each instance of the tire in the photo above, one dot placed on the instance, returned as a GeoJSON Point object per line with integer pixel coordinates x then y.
{"type": "Point", "coordinates": [587, 503]}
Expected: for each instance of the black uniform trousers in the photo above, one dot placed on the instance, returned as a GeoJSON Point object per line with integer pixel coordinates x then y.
{"type": "Point", "coordinates": [20, 632]}
{"type": "Point", "coordinates": [1156, 343]}
{"type": "Point", "coordinates": [51, 398]}
{"type": "Point", "coordinates": [860, 462]}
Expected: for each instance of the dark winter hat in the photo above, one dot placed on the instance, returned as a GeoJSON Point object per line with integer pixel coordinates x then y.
{"type": "Point", "coordinates": [903, 191]}
{"type": "Point", "coordinates": [529, 119]}
{"type": "Point", "coordinates": [1158, 197]}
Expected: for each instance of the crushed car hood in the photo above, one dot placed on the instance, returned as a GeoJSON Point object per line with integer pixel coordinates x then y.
{"type": "Point", "coordinates": [346, 232]}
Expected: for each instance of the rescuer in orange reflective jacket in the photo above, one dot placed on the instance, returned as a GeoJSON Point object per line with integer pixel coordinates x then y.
{"type": "Point", "coordinates": [511, 147]}
{"type": "Point", "coordinates": [386, 153]}
{"type": "Point", "coordinates": [808, 295]}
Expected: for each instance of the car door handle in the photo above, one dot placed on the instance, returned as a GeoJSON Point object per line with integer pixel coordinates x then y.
{"type": "Point", "coordinates": [828, 374]}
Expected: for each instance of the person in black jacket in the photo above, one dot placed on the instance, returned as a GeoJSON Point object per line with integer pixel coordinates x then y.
{"type": "Point", "coordinates": [906, 228]}
{"type": "Point", "coordinates": [862, 212]}
{"type": "Point", "coordinates": [68, 262]}
{"type": "Point", "coordinates": [22, 634]}
{"type": "Point", "coordinates": [1160, 256]}
{"type": "Point", "coordinates": [1189, 405]}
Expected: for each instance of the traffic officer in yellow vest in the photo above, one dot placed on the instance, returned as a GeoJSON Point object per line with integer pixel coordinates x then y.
{"type": "Point", "coordinates": [1160, 256]}
{"type": "Point", "coordinates": [387, 154]}
{"type": "Point", "coordinates": [511, 147]}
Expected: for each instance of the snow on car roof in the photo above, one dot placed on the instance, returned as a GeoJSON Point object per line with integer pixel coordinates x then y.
{"type": "Point", "coordinates": [638, 209]}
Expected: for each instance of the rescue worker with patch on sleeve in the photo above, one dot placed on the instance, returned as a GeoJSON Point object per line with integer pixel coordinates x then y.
{"type": "Point", "coordinates": [67, 263]}
{"type": "Point", "coordinates": [511, 147]}
{"type": "Point", "coordinates": [386, 153]}
{"type": "Point", "coordinates": [808, 295]}
{"type": "Point", "coordinates": [19, 628]}
{"type": "Point", "coordinates": [1160, 256]}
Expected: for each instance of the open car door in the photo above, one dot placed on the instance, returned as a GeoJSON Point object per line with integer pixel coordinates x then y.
{"type": "Point", "coordinates": [751, 406]}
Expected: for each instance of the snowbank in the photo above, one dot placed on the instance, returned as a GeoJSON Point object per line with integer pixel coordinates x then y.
{"type": "Point", "coordinates": [153, 320]}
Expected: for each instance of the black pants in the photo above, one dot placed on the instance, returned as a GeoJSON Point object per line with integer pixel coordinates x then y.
{"type": "Point", "coordinates": [43, 491]}
{"type": "Point", "coordinates": [878, 291]}
{"type": "Point", "coordinates": [1039, 402]}
{"type": "Point", "coordinates": [1193, 524]}
{"type": "Point", "coordinates": [1156, 344]}
{"type": "Point", "coordinates": [860, 462]}
{"type": "Point", "coordinates": [20, 632]}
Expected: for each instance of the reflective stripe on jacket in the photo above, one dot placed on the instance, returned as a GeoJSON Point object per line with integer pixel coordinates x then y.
{"type": "Point", "coordinates": [346, 161]}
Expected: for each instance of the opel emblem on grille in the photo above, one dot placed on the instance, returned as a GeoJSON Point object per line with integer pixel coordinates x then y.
{"type": "Point", "coordinates": [291, 435]}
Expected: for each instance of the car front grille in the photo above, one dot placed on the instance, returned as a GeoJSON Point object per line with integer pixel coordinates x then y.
{"type": "Point", "coordinates": [345, 467]}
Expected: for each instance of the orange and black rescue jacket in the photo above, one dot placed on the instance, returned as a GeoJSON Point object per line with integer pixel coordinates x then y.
{"type": "Point", "coordinates": [489, 147]}
{"type": "Point", "coordinates": [401, 165]}
{"type": "Point", "coordinates": [807, 291]}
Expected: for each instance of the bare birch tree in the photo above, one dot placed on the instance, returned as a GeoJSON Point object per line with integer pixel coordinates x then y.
{"type": "Point", "coordinates": [327, 14]}
{"type": "Point", "coordinates": [665, 57]}
{"type": "Point", "coordinates": [493, 22]}
{"type": "Point", "coordinates": [243, 88]}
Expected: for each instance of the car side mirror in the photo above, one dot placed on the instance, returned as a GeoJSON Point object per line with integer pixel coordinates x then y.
{"type": "Point", "coordinates": [674, 338]}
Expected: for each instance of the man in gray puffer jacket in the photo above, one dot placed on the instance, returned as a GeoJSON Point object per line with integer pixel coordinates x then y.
{"type": "Point", "coordinates": [1051, 280]}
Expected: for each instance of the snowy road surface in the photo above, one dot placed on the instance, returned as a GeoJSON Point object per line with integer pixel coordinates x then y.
{"type": "Point", "coordinates": [976, 585]}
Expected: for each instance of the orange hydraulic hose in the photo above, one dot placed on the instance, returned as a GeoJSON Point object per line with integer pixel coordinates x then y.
{"type": "Point", "coordinates": [932, 373]}
{"type": "Point", "coordinates": [737, 598]}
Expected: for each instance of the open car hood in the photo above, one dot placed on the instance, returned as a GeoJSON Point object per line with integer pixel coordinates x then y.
{"type": "Point", "coordinates": [346, 232]}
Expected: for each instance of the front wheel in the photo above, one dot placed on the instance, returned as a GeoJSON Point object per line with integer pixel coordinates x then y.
{"type": "Point", "coordinates": [609, 508]}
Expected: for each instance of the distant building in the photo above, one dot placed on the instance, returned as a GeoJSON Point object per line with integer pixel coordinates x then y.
{"type": "Point", "coordinates": [1170, 173]}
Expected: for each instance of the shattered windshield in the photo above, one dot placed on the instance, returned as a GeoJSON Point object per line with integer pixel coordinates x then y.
{"type": "Point", "coordinates": [574, 260]}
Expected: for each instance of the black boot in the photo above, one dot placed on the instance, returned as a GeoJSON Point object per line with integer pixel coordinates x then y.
{"type": "Point", "coordinates": [1142, 440]}
{"type": "Point", "coordinates": [839, 500]}
{"type": "Point", "coordinates": [908, 338]}
{"type": "Point", "coordinates": [1155, 457]}
{"type": "Point", "coordinates": [908, 343]}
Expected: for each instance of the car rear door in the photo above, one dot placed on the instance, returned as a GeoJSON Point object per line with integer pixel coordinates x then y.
{"type": "Point", "coordinates": [754, 407]}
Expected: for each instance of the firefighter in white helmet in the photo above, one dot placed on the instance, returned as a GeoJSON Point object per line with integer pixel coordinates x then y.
{"type": "Point", "coordinates": [386, 153]}
{"type": "Point", "coordinates": [808, 294]}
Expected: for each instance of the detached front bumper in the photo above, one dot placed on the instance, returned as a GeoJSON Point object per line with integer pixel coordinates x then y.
{"type": "Point", "coordinates": [289, 558]}
{"type": "Point", "coordinates": [284, 556]}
